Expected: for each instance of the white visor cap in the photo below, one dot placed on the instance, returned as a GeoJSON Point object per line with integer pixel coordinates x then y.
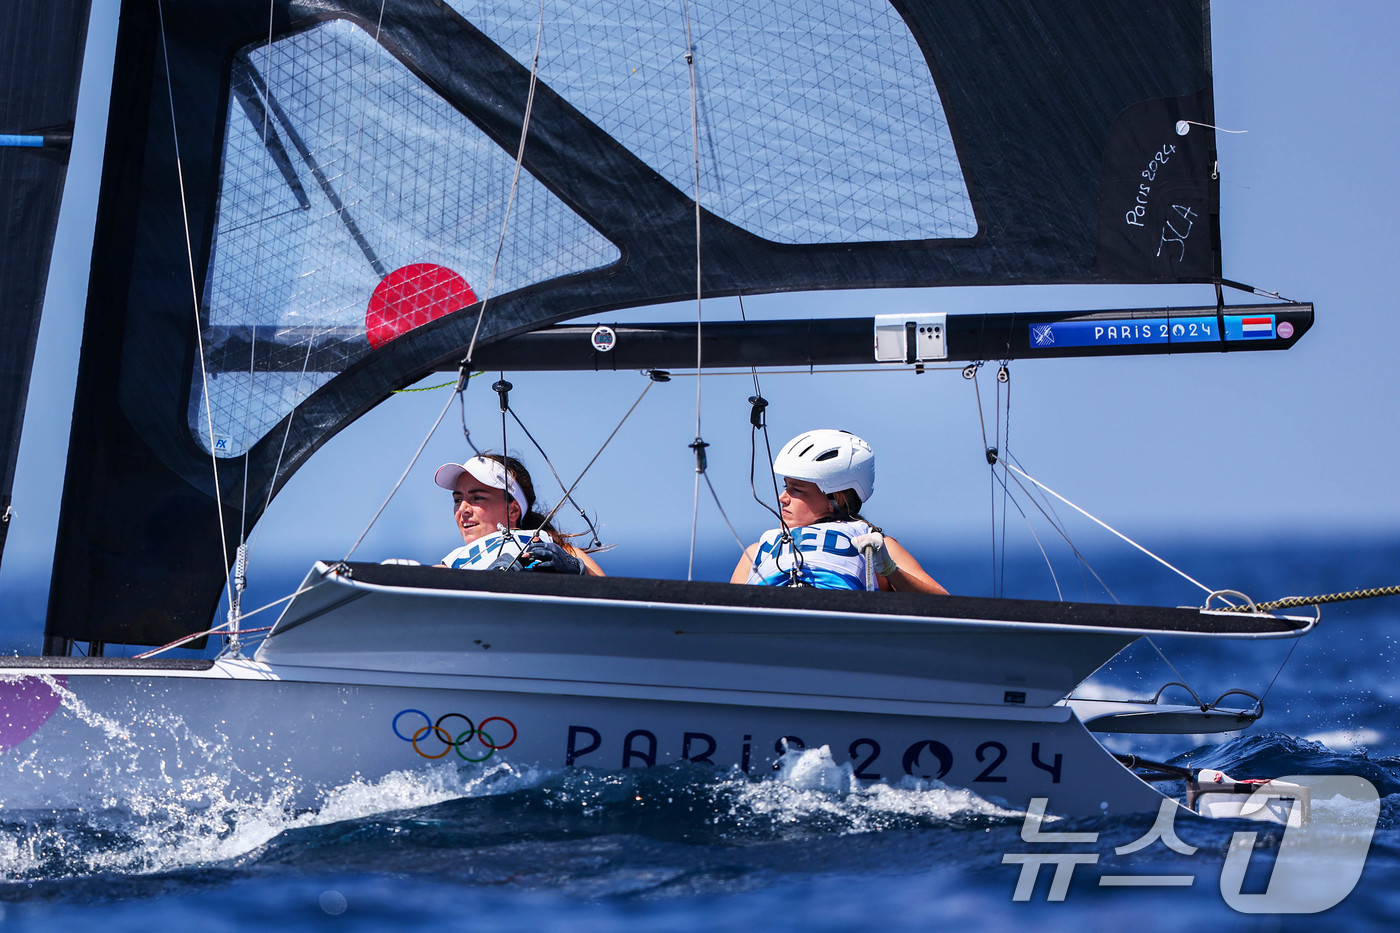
{"type": "Point", "coordinates": [488, 471]}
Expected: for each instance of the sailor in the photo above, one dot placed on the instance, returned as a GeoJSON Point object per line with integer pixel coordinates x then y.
{"type": "Point", "coordinates": [493, 506]}
{"type": "Point", "coordinates": [827, 476]}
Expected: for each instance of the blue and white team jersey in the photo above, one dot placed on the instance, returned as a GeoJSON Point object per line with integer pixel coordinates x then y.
{"type": "Point", "coordinates": [828, 558]}
{"type": "Point", "coordinates": [482, 552]}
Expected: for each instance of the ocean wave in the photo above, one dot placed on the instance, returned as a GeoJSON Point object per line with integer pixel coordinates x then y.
{"type": "Point", "coordinates": [809, 795]}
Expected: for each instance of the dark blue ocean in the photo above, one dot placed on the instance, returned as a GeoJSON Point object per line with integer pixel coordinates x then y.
{"type": "Point", "coordinates": [806, 848]}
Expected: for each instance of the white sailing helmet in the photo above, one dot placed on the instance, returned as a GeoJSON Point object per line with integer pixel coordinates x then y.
{"type": "Point", "coordinates": [833, 460]}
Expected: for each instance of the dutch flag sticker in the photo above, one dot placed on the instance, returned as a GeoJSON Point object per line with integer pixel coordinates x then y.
{"type": "Point", "coordinates": [1257, 326]}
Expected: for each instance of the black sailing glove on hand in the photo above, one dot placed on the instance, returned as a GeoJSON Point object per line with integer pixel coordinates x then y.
{"type": "Point", "coordinates": [548, 557]}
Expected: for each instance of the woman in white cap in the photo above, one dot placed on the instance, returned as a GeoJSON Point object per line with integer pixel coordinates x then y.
{"type": "Point", "coordinates": [823, 542]}
{"type": "Point", "coordinates": [493, 506]}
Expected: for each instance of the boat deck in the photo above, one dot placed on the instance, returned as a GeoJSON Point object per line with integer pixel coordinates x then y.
{"type": "Point", "coordinates": [108, 664]}
{"type": "Point", "coordinates": [1146, 619]}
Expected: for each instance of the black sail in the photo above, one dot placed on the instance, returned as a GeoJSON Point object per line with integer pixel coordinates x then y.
{"type": "Point", "coordinates": [345, 186]}
{"type": "Point", "coordinates": [41, 56]}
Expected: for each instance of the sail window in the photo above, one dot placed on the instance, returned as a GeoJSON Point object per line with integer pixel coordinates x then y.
{"type": "Point", "coordinates": [818, 122]}
{"type": "Point", "coordinates": [347, 184]}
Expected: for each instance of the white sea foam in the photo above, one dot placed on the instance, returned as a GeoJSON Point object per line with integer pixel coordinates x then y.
{"type": "Point", "coordinates": [170, 823]}
{"type": "Point", "coordinates": [1105, 690]}
{"type": "Point", "coordinates": [1347, 739]}
{"type": "Point", "coordinates": [809, 785]}
{"type": "Point", "coordinates": [154, 832]}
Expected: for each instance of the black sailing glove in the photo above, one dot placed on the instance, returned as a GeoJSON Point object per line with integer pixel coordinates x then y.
{"type": "Point", "coordinates": [548, 557]}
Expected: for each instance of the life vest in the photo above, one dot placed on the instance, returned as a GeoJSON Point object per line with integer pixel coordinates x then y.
{"type": "Point", "coordinates": [828, 558]}
{"type": "Point", "coordinates": [482, 552]}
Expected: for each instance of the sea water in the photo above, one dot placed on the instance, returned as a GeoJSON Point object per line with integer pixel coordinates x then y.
{"type": "Point", "coordinates": [506, 846]}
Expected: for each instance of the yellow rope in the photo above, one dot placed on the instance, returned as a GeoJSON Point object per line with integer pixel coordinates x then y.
{"type": "Point", "coordinates": [433, 388]}
{"type": "Point", "coordinates": [1293, 602]}
{"type": "Point", "coordinates": [430, 388]}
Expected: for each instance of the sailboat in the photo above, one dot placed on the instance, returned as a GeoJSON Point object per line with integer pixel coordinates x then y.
{"type": "Point", "coordinates": [307, 206]}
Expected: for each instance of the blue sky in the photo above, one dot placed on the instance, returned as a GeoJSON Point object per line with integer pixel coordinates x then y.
{"type": "Point", "coordinates": [1218, 447]}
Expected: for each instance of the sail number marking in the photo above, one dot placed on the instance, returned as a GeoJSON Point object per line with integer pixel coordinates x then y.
{"type": "Point", "coordinates": [1187, 220]}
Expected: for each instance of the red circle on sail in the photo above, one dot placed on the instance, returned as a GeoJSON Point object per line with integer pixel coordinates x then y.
{"type": "Point", "coordinates": [412, 296]}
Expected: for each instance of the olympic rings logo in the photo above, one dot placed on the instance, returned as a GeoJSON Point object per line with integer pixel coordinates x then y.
{"type": "Point", "coordinates": [431, 733]}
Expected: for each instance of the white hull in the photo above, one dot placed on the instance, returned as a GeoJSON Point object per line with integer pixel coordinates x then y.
{"type": "Point", "coordinates": [228, 732]}
{"type": "Point", "coordinates": [360, 680]}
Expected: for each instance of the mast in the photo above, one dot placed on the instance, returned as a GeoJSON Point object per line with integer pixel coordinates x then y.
{"type": "Point", "coordinates": [41, 57]}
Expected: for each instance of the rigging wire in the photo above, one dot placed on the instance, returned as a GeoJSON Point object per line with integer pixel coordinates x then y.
{"type": "Point", "coordinates": [1058, 524]}
{"type": "Point", "coordinates": [722, 514]}
{"type": "Point", "coordinates": [466, 431]}
{"type": "Point", "coordinates": [1102, 524]}
{"type": "Point", "coordinates": [1286, 658]}
{"type": "Point", "coordinates": [1004, 441]}
{"type": "Point", "coordinates": [1007, 465]}
{"type": "Point", "coordinates": [758, 420]}
{"type": "Point", "coordinates": [569, 493]}
{"type": "Point", "coordinates": [888, 369]}
{"type": "Point", "coordinates": [559, 479]}
{"type": "Point", "coordinates": [235, 609]}
{"type": "Point", "coordinates": [416, 454]}
{"type": "Point", "coordinates": [257, 283]}
{"type": "Point", "coordinates": [1031, 528]}
{"type": "Point", "coordinates": [463, 374]}
{"type": "Point", "coordinates": [245, 546]}
{"type": "Point", "coordinates": [994, 458]}
{"type": "Point", "coordinates": [194, 293]}
{"type": "Point", "coordinates": [1194, 695]}
{"type": "Point", "coordinates": [699, 445]}
{"type": "Point", "coordinates": [1046, 507]}
{"type": "Point", "coordinates": [514, 186]}
{"type": "Point", "coordinates": [502, 389]}
{"type": "Point", "coordinates": [971, 372]}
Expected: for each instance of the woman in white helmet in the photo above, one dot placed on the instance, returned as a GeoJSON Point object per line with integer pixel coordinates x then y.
{"type": "Point", "coordinates": [827, 476]}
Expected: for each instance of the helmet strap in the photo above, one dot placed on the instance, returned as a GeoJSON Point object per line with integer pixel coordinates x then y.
{"type": "Point", "coordinates": [841, 509]}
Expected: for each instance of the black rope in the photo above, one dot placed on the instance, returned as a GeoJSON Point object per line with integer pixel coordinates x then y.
{"type": "Point", "coordinates": [1004, 378]}
{"type": "Point", "coordinates": [502, 390]}
{"type": "Point", "coordinates": [463, 378]}
{"type": "Point", "coordinates": [758, 421]}
{"type": "Point", "coordinates": [596, 543]}
{"type": "Point", "coordinates": [970, 372]}
{"type": "Point", "coordinates": [569, 492]}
